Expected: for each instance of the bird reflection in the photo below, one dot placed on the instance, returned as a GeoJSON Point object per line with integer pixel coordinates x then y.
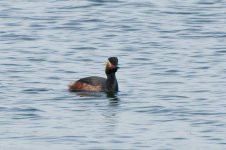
{"type": "Point", "coordinates": [112, 96]}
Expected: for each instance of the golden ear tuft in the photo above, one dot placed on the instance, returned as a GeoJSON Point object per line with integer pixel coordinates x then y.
{"type": "Point", "coordinates": [110, 65]}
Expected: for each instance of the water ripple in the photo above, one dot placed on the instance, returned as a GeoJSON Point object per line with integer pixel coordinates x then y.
{"type": "Point", "coordinates": [171, 80]}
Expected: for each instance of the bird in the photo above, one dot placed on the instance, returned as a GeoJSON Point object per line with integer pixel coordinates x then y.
{"type": "Point", "coordinates": [99, 84]}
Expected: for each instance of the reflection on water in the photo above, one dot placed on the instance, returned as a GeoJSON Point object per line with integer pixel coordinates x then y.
{"type": "Point", "coordinates": [114, 99]}
{"type": "Point", "coordinates": [89, 94]}
{"type": "Point", "coordinates": [112, 96]}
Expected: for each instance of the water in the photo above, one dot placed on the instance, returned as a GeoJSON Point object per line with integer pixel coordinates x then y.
{"type": "Point", "coordinates": [172, 76]}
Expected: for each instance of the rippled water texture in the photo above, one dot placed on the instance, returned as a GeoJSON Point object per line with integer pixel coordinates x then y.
{"type": "Point", "coordinates": [172, 79]}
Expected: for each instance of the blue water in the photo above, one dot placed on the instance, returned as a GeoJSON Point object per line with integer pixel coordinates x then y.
{"type": "Point", "coordinates": [172, 79]}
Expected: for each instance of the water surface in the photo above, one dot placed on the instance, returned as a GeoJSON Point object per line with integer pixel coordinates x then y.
{"type": "Point", "coordinates": [172, 76]}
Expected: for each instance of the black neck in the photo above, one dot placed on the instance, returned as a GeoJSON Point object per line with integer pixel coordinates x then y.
{"type": "Point", "coordinates": [110, 71]}
{"type": "Point", "coordinates": [111, 76]}
{"type": "Point", "coordinates": [111, 83]}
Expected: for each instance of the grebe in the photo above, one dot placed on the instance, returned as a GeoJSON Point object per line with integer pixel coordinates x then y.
{"type": "Point", "coordinates": [99, 84]}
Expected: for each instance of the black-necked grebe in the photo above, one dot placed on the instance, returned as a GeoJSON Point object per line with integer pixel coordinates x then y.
{"type": "Point", "coordinates": [99, 84]}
